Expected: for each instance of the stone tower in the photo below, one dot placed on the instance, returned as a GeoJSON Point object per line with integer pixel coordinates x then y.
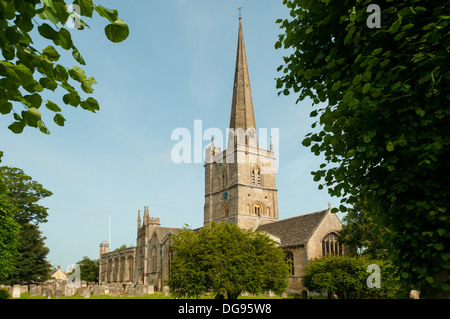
{"type": "Point", "coordinates": [104, 248]}
{"type": "Point", "coordinates": [240, 181]}
{"type": "Point", "coordinates": [144, 233]}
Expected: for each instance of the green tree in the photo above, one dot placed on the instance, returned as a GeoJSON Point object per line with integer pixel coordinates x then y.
{"type": "Point", "coordinates": [381, 96]}
{"type": "Point", "coordinates": [226, 260]}
{"type": "Point", "coordinates": [20, 202]}
{"type": "Point", "coordinates": [88, 269]}
{"type": "Point", "coordinates": [31, 264]}
{"type": "Point", "coordinates": [362, 233]}
{"type": "Point", "coordinates": [9, 236]}
{"type": "Point", "coordinates": [26, 71]}
{"type": "Point", "coordinates": [25, 193]}
{"type": "Point", "coordinates": [347, 277]}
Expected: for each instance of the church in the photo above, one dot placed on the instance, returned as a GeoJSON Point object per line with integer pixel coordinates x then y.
{"type": "Point", "coordinates": [240, 188]}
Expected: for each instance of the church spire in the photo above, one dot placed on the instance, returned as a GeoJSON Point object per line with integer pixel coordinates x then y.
{"type": "Point", "coordinates": [242, 115]}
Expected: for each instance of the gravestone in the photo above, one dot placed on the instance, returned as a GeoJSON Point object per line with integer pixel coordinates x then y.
{"type": "Point", "coordinates": [23, 289]}
{"type": "Point", "coordinates": [35, 291]}
{"type": "Point", "coordinates": [96, 290]}
{"type": "Point", "coordinates": [58, 293]}
{"type": "Point", "coordinates": [139, 290]}
{"type": "Point", "coordinates": [166, 290]}
{"type": "Point", "coordinates": [151, 290]}
{"type": "Point", "coordinates": [84, 292]}
{"type": "Point", "coordinates": [69, 292]}
{"type": "Point", "coordinates": [48, 293]}
{"type": "Point", "coordinates": [131, 291]}
{"type": "Point", "coordinates": [16, 291]}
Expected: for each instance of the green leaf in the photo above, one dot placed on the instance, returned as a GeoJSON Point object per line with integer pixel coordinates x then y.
{"type": "Point", "coordinates": [35, 100]}
{"type": "Point", "coordinates": [390, 147]}
{"type": "Point", "coordinates": [77, 56]}
{"type": "Point", "coordinates": [51, 53]}
{"type": "Point", "coordinates": [90, 104]}
{"type": "Point", "coordinates": [72, 98]}
{"type": "Point", "coordinates": [24, 23]}
{"type": "Point", "coordinates": [12, 35]}
{"type": "Point", "coordinates": [52, 106]}
{"type": "Point", "coordinates": [111, 15]}
{"type": "Point", "coordinates": [336, 86]}
{"type": "Point", "coordinates": [420, 112]}
{"type": "Point", "coordinates": [366, 88]}
{"type": "Point", "coordinates": [32, 116]}
{"type": "Point", "coordinates": [5, 106]}
{"type": "Point", "coordinates": [59, 119]}
{"type": "Point", "coordinates": [47, 83]}
{"type": "Point", "coordinates": [117, 31]}
{"type": "Point", "coordinates": [60, 73]}
{"type": "Point", "coordinates": [357, 79]}
{"type": "Point", "coordinates": [77, 74]}
{"type": "Point", "coordinates": [17, 127]}
{"type": "Point", "coordinates": [394, 27]}
{"type": "Point", "coordinates": [86, 7]}
{"type": "Point", "coordinates": [65, 39]}
{"type": "Point", "coordinates": [376, 51]}
{"type": "Point", "coordinates": [86, 85]}
{"type": "Point", "coordinates": [19, 74]}
{"type": "Point", "coordinates": [48, 32]}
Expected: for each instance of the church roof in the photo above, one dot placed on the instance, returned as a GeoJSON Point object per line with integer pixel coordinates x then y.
{"type": "Point", "coordinates": [162, 232]}
{"type": "Point", "coordinates": [296, 230]}
{"type": "Point", "coordinates": [242, 115]}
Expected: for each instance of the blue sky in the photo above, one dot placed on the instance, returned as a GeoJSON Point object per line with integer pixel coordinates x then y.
{"type": "Point", "coordinates": [177, 66]}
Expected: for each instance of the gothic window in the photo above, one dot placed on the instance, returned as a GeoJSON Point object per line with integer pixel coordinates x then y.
{"type": "Point", "coordinates": [154, 260]}
{"type": "Point", "coordinates": [290, 262]}
{"type": "Point", "coordinates": [224, 180]}
{"type": "Point", "coordinates": [257, 209]}
{"type": "Point", "coordinates": [225, 210]}
{"type": "Point", "coordinates": [256, 176]}
{"type": "Point", "coordinates": [331, 245]}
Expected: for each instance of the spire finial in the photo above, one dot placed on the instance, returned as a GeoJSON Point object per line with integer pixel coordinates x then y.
{"type": "Point", "coordinates": [240, 17]}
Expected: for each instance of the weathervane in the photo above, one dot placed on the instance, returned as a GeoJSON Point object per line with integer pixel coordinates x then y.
{"type": "Point", "coordinates": [240, 12]}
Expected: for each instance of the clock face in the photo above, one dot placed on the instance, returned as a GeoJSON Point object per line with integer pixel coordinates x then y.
{"type": "Point", "coordinates": [225, 196]}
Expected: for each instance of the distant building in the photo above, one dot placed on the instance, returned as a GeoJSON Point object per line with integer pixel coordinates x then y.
{"type": "Point", "coordinates": [58, 274]}
{"type": "Point", "coordinates": [240, 189]}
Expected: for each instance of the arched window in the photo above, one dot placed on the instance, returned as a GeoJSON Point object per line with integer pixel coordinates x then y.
{"type": "Point", "coordinates": [331, 245]}
{"type": "Point", "coordinates": [224, 180]}
{"type": "Point", "coordinates": [257, 209]}
{"type": "Point", "coordinates": [225, 210]}
{"type": "Point", "coordinates": [290, 262]}
{"type": "Point", "coordinates": [256, 176]}
{"type": "Point", "coordinates": [154, 260]}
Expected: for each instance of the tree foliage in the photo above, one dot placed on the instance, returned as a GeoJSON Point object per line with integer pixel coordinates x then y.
{"type": "Point", "coordinates": [26, 71]}
{"type": "Point", "coordinates": [31, 264]}
{"type": "Point", "coordinates": [23, 251]}
{"type": "Point", "coordinates": [347, 277]}
{"type": "Point", "coordinates": [381, 97]}
{"type": "Point", "coordinates": [362, 233]}
{"type": "Point", "coordinates": [226, 260]}
{"type": "Point", "coordinates": [89, 269]}
{"type": "Point", "coordinates": [25, 193]}
{"type": "Point", "coordinates": [9, 236]}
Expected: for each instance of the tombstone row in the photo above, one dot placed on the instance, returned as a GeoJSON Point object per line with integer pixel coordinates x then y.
{"type": "Point", "coordinates": [57, 290]}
